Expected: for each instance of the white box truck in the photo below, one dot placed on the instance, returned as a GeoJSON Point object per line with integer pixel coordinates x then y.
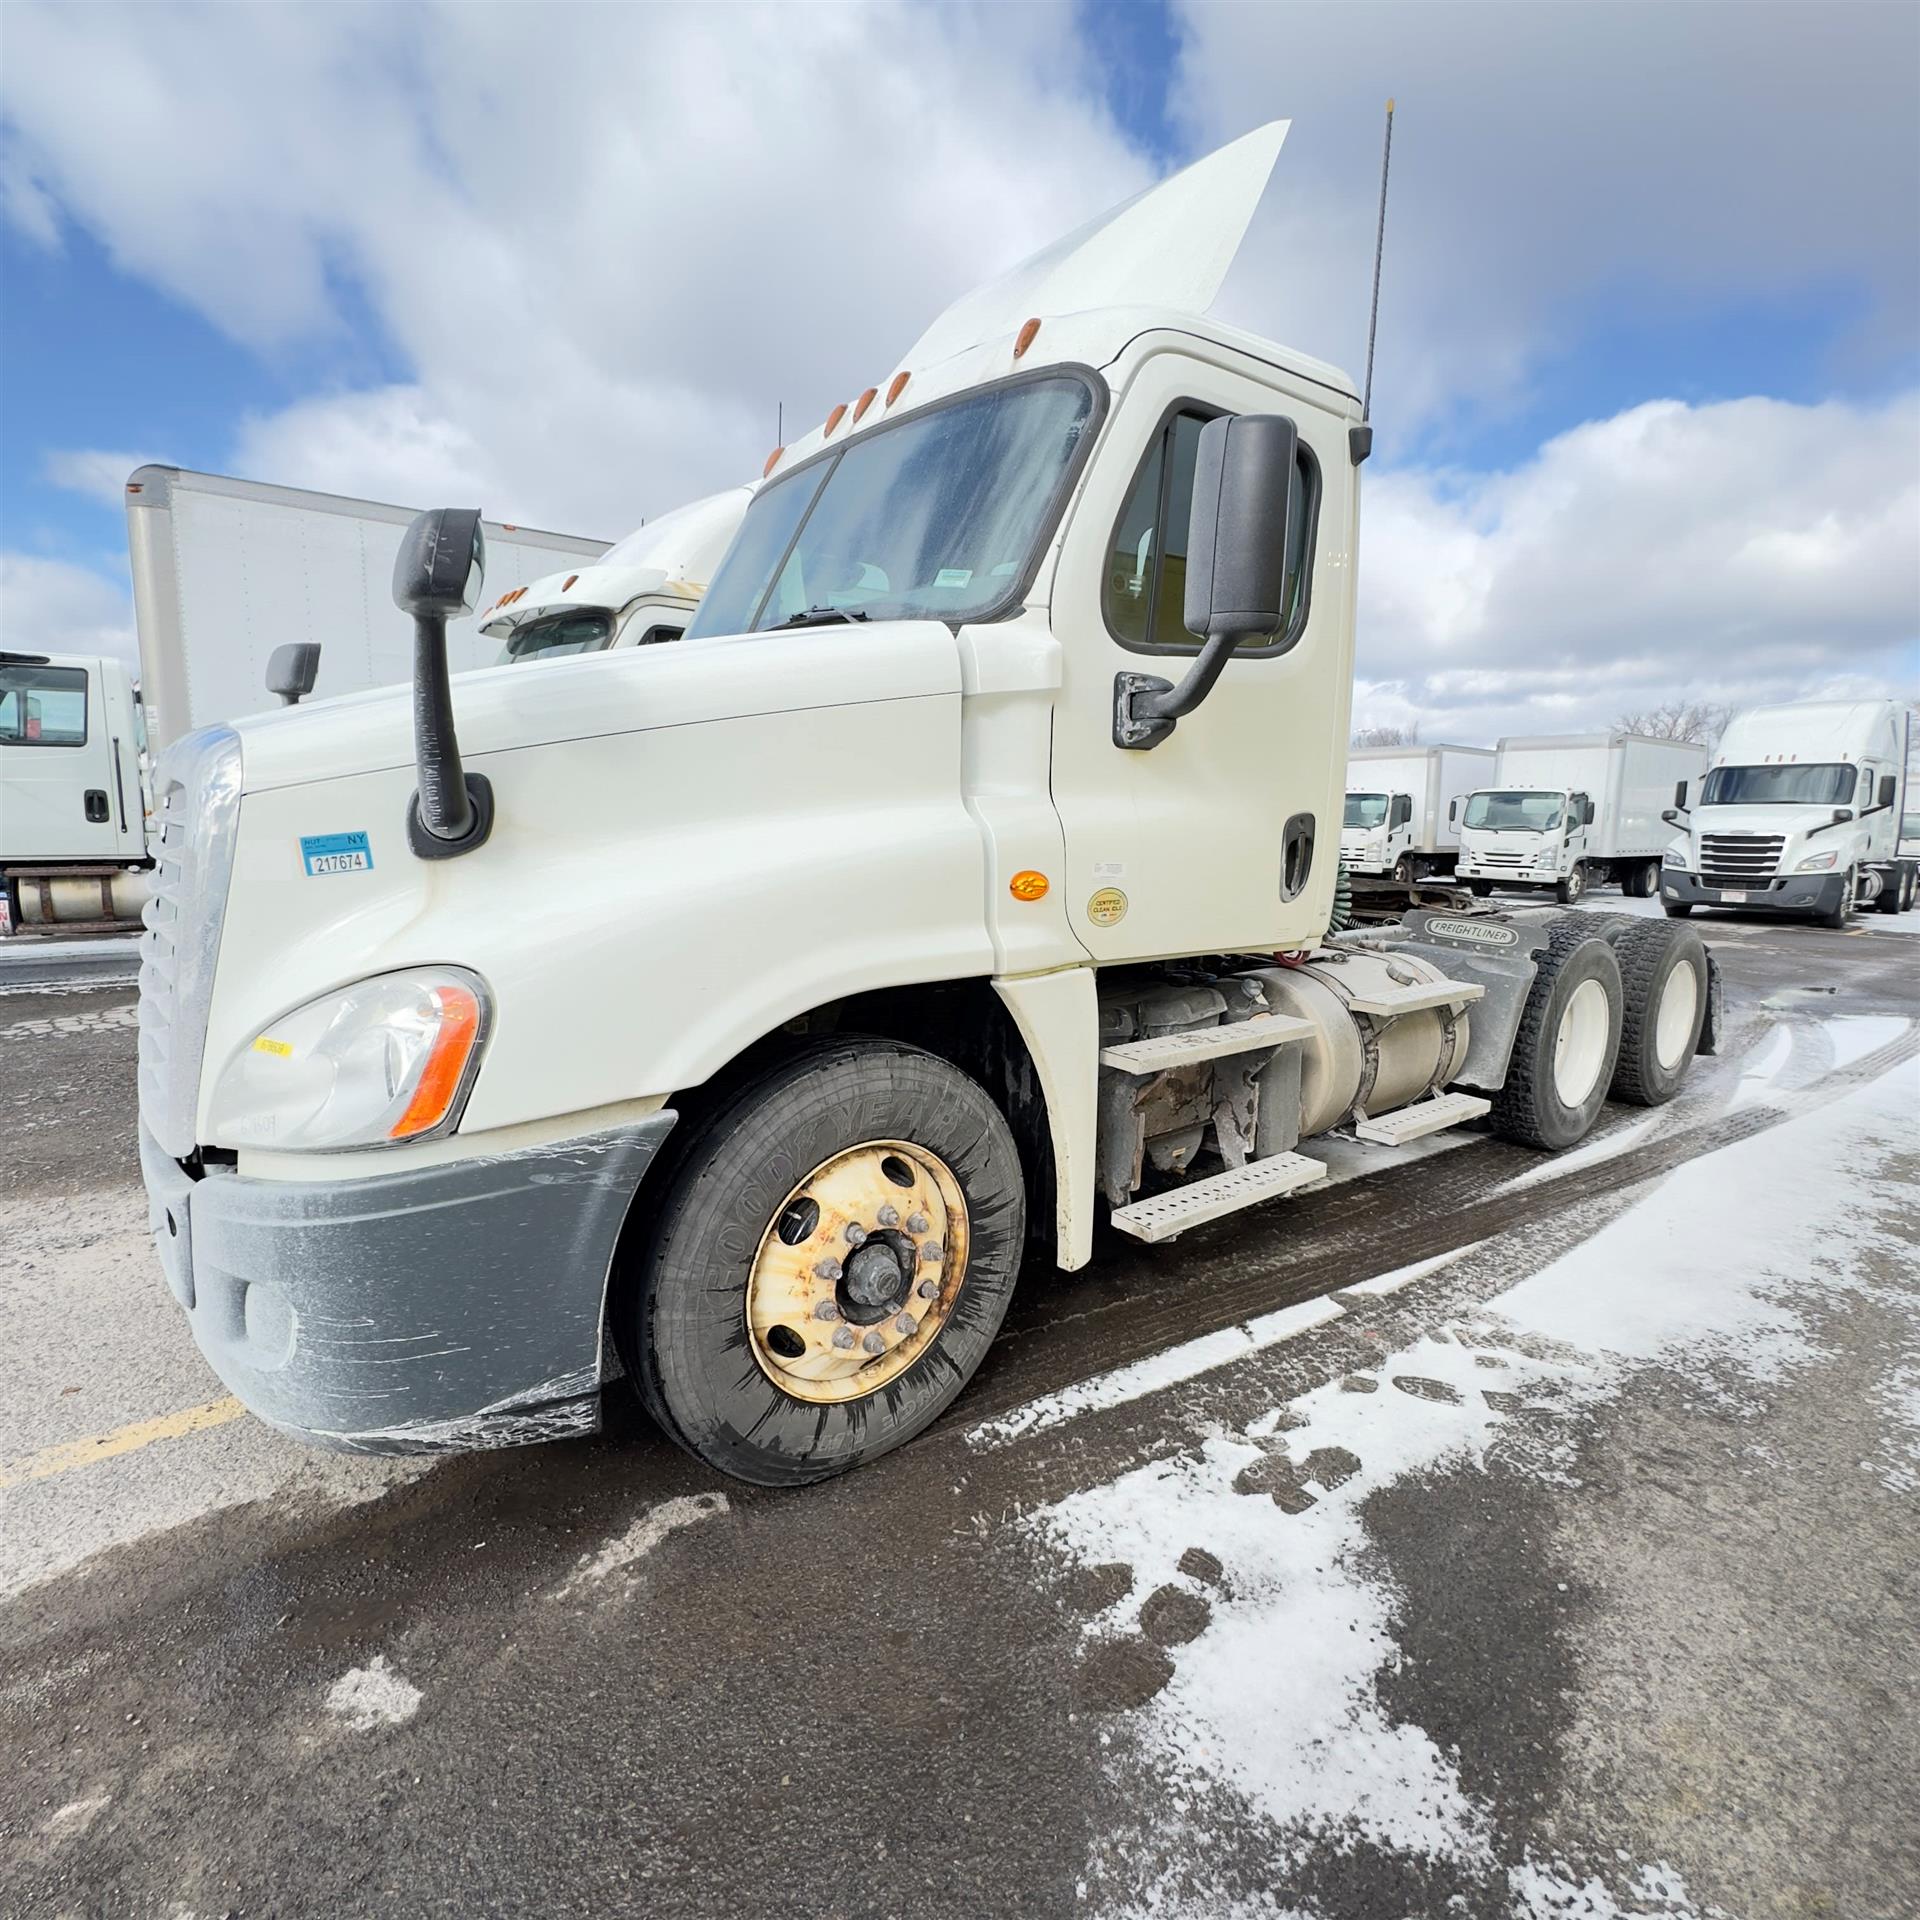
{"type": "Point", "coordinates": [226, 571]}
{"type": "Point", "coordinates": [73, 792]}
{"type": "Point", "coordinates": [1566, 812]}
{"type": "Point", "coordinates": [1402, 813]}
{"type": "Point", "coordinates": [1801, 812]}
{"type": "Point", "coordinates": [740, 1005]}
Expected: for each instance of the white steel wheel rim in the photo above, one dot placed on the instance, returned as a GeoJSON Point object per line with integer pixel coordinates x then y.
{"type": "Point", "coordinates": [885, 1217]}
{"type": "Point", "coordinates": [1580, 1043]}
{"type": "Point", "coordinates": [1673, 1024]}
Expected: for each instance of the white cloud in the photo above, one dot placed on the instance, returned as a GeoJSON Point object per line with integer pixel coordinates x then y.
{"type": "Point", "coordinates": [53, 606]}
{"type": "Point", "coordinates": [1743, 551]}
{"type": "Point", "coordinates": [100, 474]}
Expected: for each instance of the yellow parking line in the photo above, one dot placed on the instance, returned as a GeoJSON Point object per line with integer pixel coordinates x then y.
{"type": "Point", "coordinates": [106, 1446]}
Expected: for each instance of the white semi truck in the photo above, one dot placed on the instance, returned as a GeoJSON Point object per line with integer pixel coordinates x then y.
{"type": "Point", "coordinates": [226, 572]}
{"type": "Point", "coordinates": [745, 1006]}
{"type": "Point", "coordinates": [1402, 813]}
{"type": "Point", "coordinates": [1800, 813]}
{"type": "Point", "coordinates": [1564, 813]}
{"type": "Point", "coordinates": [73, 792]}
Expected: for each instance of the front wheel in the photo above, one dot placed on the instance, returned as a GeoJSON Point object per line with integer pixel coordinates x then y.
{"type": "Point", "coordinates": [833, 1258]}
{"type": "Point", "coordinates": [1573, 887]}
{"type": "Point", "coordinates": [1480, 889]}
{"type": "Point", "coordinates": [1837, 915]}
{"type": "Point", "coordinates": [1677, 909]}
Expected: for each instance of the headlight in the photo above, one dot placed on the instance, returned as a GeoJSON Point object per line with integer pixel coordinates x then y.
{"type": "Point", "coordinates": [388, 1059]}
{"type": "Point", "coordinates": [1674, 857]}
{"type": "Point", "coordinates": [1817, 862]}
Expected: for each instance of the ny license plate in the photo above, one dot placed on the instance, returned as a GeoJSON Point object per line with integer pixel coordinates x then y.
{"type": "Point", "coordinates": [1732, 893]}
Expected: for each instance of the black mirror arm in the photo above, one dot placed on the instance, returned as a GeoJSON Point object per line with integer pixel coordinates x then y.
{"type": "Point", "coordinates": [452, 813]}
{"type": "Point", "coordinates": [1146, 706]}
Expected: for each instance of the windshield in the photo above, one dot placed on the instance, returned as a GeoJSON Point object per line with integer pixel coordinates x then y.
{"type": "Point", "coordinates": [578, 630]}
{"type": "Point", "coordinates": [936, 518]}
{"type": "Point", "coordinates": [1365, 809]}
{"type": "Point", "coordinates": [1810, 785]}
{"type": "Point", "coordinates": [1524, 812]}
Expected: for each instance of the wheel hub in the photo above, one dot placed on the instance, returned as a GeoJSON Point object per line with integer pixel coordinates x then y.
{"type": "Point", "coordinates": [858, 1271]}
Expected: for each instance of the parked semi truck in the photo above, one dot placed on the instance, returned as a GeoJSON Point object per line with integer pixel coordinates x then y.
{"type": "Point", "coordinates": [225, 571]}
{"type": "Point", "coordinates": [1801, 812]}
{"type": "Point", "coordinates": [1566, 813]}
{"type": "Point", "coordinates": [1402, 813]}
{"type": "Point", "coordinates": [744, 1007]}
{"type": "Point", "coordinates": [73, 792]}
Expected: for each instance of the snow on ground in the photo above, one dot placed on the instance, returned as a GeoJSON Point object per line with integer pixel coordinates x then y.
{"type": "Point", "coordinates": [1272, 1695]}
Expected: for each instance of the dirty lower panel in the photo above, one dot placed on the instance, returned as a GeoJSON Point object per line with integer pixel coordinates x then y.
{"type": "Point", "coordinates": [436, 1310]}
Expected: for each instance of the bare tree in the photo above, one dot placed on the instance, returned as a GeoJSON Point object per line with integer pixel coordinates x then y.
{"type": "Point", "coordinates": [1408, 736]}
{"type": "Point", "coordinates": [1699, 721]}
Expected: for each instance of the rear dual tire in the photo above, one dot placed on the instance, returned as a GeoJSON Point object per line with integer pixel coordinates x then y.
{"type": "Point", "coordinates": [1664, 983]}
{"type": "Point", "coordinates": [1568, 1041]}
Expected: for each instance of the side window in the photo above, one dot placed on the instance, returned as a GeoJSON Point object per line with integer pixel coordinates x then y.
{"type": "Point", "coordinates": [42, 706]}
{"type": "Point", "coordinates": [1402, 809]}
{"type": "Point", "coordinates": [1576, 809]}
{"type": "Point", "coordinates": [654, 636]}
{"type": "Point", "coordinates": [1866, 787]}
{"type": "Point", "coordinates": [1146, 581]}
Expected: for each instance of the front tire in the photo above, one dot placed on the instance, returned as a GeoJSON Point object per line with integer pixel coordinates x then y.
{"type": "Point", "coordinates": [1663, 980]}
{"type": "Point", "coordinates": [1676, 909]}
{"type": "Point", "coordinates": [1567, 1044]}
{"type": "Point", "coordinates": [1573, 887]}
{"type": "Point", "coordinates": [1841, 911]}
{"type": "Point", "coordinates": [832, 1259]}
{"type": "Point", "coordinates": [1480, 889]}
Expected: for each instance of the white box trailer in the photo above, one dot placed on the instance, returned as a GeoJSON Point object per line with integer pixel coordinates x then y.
{"type": "Point", "coordinates": [1401, 817]}
{"type": "Point", "coordinates": [1568, 811]}
{"type": "Point", "coordinates": [225, 571]}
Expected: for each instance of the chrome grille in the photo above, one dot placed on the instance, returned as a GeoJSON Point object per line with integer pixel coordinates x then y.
{"type": "Point", "coordinates": [1504, 859]}
{"type": "Point", "coordinates": [196, 803]}
{"type": "Point", "coordinates": [1740, 859]}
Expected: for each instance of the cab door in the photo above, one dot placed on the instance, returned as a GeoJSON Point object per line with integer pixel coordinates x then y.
{"type": "Point", "coordinates": [1226, 835]}
{"type": "Point", "coordinates": [57, 767]}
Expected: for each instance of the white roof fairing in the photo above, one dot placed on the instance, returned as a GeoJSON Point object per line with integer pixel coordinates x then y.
{"type": "Point", "coordinates": [1169, 246]}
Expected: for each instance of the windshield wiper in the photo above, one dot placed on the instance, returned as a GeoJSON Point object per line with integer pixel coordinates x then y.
{"type": "Point", "coordinates": [819, 616]}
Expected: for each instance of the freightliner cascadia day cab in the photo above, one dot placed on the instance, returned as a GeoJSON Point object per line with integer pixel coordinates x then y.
{"type": "Point", "coordinates": [73, 791]}
{"type": "Point", "coordinates": [226, 572]}
{"type": "Point", "coordinates": [1403, 808]}
{"type": "Point", "coordinates": [640, 592]}
{"type": "Point", "coordinates": [1800, 813]}
{"type": "Point", "coordinates": [1566, 813]}
{"type": "Point", "coordinates": [746, 1006]}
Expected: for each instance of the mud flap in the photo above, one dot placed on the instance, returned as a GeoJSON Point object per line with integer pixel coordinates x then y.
{"type": "Point", "coordinates": [1713, 1024]}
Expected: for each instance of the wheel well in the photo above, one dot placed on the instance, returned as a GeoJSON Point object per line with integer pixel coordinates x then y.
{"type": "Point", "coordinates": [963, 1021]}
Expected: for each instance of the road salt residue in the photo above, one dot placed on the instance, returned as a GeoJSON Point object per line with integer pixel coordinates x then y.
{"type": "Point", "coordinates": [625, 1550]}
{"type": "Point", "coordinates": [1275, 1700]}
{"type": "Point", "coordinates": [373, 1696]}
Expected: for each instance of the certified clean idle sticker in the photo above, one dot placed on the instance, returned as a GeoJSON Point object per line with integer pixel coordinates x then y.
{"type": "Point", "coordinates": [335, 853]}
{"type": "Point", "coordinates": [1108, 907]}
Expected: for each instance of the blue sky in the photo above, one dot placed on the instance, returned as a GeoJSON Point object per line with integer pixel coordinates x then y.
{"type": "Point", "coordinates": [192, 273]}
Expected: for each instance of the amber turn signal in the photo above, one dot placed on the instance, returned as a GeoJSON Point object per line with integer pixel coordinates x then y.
{"type": "Point", "coordinates": [1028, 885]}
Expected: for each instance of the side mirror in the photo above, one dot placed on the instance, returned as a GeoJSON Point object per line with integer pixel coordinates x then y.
{"type": "Point", "coordinates": [1889, 786]}
{"type": "Point", "coordinates": [1841, 815]}
{"type": "Point", "coordinates": [437, 575]}
{"type": "Point", "coordinates": [292, 670]}
{"type": "Point", "coordinates": [1671, 815]}
{"type": "Point", "coordinates": [1453, 812]}
{"type": "Point", "coordinates": [1680, 795]}
{"type": "Point", "coordinates": [1245, 470]}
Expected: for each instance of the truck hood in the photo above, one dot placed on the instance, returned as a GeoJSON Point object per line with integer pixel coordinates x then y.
{"type": "Point", "coordinates": [630, 690]}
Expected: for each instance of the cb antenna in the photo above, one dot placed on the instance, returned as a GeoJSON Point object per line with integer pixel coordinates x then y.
{"type": "Point", "coordinates": [1362, 435]}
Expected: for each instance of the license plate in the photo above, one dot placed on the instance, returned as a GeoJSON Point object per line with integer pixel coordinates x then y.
{"type": "Point", "coordinates": [1730, 893]}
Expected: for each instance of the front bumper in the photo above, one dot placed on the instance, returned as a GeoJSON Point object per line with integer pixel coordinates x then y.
{"type": "Point", "coordinates": [433, 1310]}
{"type": "Point", "coordinates": [1504, 876]}
{"type": "Point", "coordinates": [1798, 893]}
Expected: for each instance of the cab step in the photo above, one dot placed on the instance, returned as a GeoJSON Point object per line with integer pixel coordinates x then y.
{"type": "Point", "coordinates": [1422, 1118]}
{"type": "Point", "coordinates": [1204, 1043]}
{"type": "Point", "coordinates": [1168, 1214]}
{"type": "Point", "coordinates": [1390, 1001]}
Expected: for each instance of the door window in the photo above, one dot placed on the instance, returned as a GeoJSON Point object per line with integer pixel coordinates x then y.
{"type": "Point", "coordinates": [42, 706]}
{"type": "Point", "coordinates": [1146, 581]}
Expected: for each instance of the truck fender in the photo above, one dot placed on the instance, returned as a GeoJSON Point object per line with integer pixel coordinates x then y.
{"type": "Point", "coordinates": [1059, 1020]}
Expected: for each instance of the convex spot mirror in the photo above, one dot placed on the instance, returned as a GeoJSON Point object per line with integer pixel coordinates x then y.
{"type": "Point", "coordinates": [442, 562]}
{"type": "Point", "coordinates": [1888, 788]}
{"type": "Point", "coordinates": [292, 670]}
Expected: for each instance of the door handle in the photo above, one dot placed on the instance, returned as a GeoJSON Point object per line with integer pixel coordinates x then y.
{"type": "Point", "coordinates": [95, 803]}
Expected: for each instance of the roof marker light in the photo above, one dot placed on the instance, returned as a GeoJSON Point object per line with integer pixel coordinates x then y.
{"type": "Point", "coordinates": [833, 420]}
{"type": "Point", "coordinates": [1024, 339]}
{"type": "Point", "coordinates": [566, 585]}
{"type": "Point", "coordinates": [773, 460]}
{"type": "Point", "coordinates": [863, 403]}
{"type": "Point", "coordinates": [897, 386]}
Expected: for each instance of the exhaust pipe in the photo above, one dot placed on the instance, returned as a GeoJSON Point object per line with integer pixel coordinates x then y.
{"type": "Point", "coordinates": [437, 576]}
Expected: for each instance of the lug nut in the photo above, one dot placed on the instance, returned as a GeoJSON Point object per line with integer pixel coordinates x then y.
{"type": "Point", "coordinates": [856, 1233]}
{"type": "Point", "coordinates": [843, 1337]}
{"type": "Point", "coordinates": [933, 1250]}
{"type": "Point", "coordinates": [889, 1216]}
{"type": "Point", "coordinates": [828, 1270]}
{"type": "Point", "coordinates": [906, 1324]}
{"type": "Point", "coordinates": [928, 1289]}
{"type": "Point", "coordinates": [826, 1310]}
{"type": "Point", "coordinates": [917, 1223]}
{"type": "Point", "coordinates": [874, 1343]}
